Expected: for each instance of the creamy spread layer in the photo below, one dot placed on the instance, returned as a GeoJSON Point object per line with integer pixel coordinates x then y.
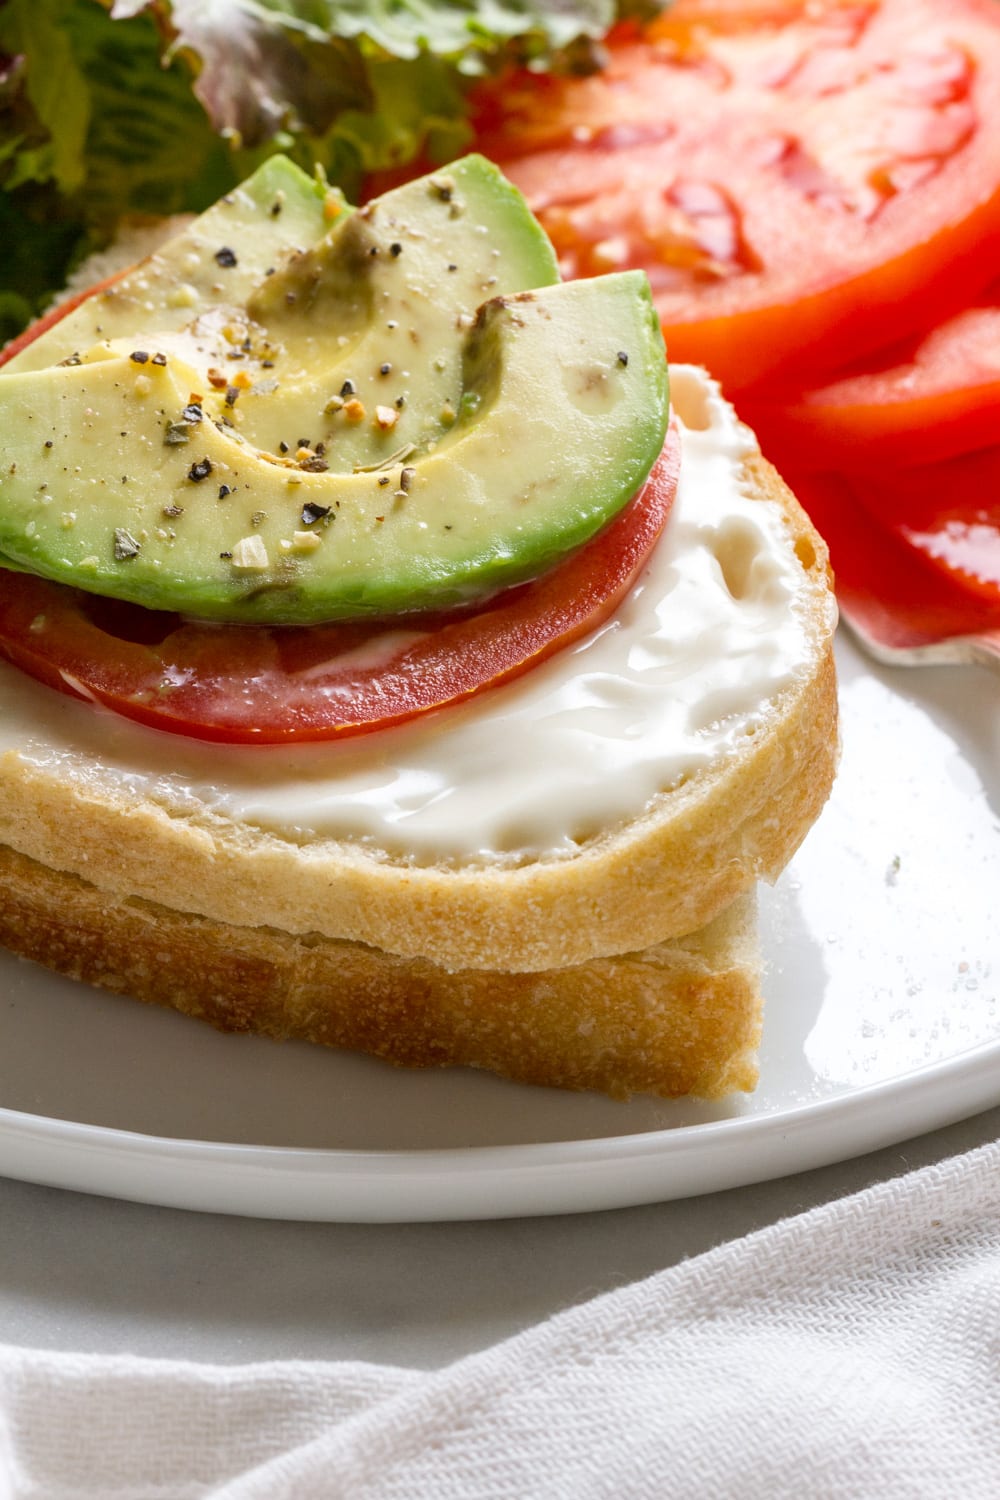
{"type": "Point", "coordinates": [688, 663]}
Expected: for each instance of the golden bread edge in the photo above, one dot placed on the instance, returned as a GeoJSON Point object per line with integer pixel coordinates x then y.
{"type": "Point", "coordinates": [679, 1018]}
{"type": "Point", "coordinates": [667, 873]}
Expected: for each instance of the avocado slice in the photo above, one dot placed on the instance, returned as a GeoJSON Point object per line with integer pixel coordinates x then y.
{"type": "Point", "coordinates": [561, 414]}
{"type": "Point", "coordinates": [354, 342]}
{"type": "Point", "coordinates": [217, 259]}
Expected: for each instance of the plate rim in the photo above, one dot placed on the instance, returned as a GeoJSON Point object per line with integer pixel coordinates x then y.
{"type": "Point", "coordinates": [798, 1134]}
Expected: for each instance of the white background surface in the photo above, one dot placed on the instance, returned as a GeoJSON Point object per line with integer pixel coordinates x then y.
{"type": "Point", "coordinates": [884, 957]}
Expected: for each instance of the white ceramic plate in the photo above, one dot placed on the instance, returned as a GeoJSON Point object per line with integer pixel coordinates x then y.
{"type": "Point", "coordinates": [882, 1022]}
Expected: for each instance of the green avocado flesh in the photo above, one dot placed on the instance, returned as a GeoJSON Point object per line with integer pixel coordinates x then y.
{"type": "Point", "coordinates": [399, 410]}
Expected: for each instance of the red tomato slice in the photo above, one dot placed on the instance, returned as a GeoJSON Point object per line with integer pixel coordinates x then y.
{"type": "Point", "coordinates": [920, 403]}
{"type": "Point", "coordinates": [908, 583]}
{"type": "Point", "coordinates": [267, 686]}
{"type": "Point", "coordinates": [949, 513]}
{"type": "Point", "coordinates": [803, 182]}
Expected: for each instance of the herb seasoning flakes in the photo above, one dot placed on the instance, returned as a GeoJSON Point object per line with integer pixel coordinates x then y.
{"type": "Point", "coordinates": [126, 547]}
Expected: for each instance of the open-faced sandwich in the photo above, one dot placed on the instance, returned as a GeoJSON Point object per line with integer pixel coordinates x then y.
{"type": "Point", "coordinates": [392, 657]}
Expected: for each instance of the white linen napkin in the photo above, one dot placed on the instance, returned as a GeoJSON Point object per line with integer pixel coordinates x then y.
{"type": "Point", "coordinates": [851, 1352]}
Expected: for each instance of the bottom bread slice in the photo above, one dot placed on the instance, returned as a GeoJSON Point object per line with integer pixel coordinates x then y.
{"type": "Point", "coordinates": [682, 1017]}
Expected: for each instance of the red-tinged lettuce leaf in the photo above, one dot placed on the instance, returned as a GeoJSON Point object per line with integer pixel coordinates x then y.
{"type": "Point", "coordinates": [268, 66]}
{"type": "Point", "coordinates": [258, 75]}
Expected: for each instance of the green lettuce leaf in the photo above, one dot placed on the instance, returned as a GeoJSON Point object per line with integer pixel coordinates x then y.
{"type": "Point", "coordinates": [93, 127]}
{"type": "Point", "coordinates": [57, 93]}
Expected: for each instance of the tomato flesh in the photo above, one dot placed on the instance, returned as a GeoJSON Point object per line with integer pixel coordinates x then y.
{"type": "Point", "coordinates": [268, 686]}
{"type": "Point", "coordinates": [801, 181]}
{"type": "Point", "coordinates": [949, 513]}
{"type": "Point", "coordinates": [912, 567]}
{"type": "Point", "coordinates": [937, 397]}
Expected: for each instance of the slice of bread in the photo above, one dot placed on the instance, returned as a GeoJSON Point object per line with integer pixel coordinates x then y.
{"type": "Point", "coordinates": [623, 960]}
{"type": "Point", "coordinates": [679, 1018]}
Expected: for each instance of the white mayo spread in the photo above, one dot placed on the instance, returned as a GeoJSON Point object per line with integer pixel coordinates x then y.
{"type": "Point", "coordinates": [691, 659]}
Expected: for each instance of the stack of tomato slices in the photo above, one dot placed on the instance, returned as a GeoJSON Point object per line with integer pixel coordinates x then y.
{"type": "Point", "coordinates": [899, 463]}
{"type": "Point", "coordinates": [814, 190]}
{"type": "Point", "coordinates": [273, 685]}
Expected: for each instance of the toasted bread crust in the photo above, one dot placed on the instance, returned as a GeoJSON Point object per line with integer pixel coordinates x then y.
{"type": "Point", "coordinates": [668, 872]}
{"type": "Point", "coordinates": [680, 1018]}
